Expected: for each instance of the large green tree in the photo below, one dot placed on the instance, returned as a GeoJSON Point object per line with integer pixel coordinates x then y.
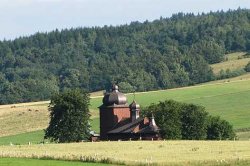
{"type": "Point", "coordinates": [188, 121]}
{"type": "Point", "coordinates": [69, 117]}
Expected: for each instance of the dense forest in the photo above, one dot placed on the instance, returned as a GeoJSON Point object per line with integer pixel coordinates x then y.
{"type": "Point", "coordinates": [165, 53]}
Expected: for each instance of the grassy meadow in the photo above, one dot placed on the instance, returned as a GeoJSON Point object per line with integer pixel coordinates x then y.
{"type": "Point", "coordinates": [33, 137]}
{"type": "Point", "coordinates": [32, 162]}
{"type": "Point", "coordinates": [140, 152]}
{"type": "Point", "coordinates": [22, 118]}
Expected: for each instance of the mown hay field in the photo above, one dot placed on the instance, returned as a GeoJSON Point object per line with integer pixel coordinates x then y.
{"type": "Point", "coordinates": [21, 119]}
{"type": "Point", "coordinates": [139, 152]}
{"type": "Point", "coordinates": [29, 117]}
{"type": "Point", "coordinates": [234, 61]}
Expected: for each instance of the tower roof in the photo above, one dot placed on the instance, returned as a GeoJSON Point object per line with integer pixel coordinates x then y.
{"type": "Point", "coordinates": [114, 97]}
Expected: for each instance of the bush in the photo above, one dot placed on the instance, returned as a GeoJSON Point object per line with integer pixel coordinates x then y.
{"type": "Point", "coordinates": [229, 73]}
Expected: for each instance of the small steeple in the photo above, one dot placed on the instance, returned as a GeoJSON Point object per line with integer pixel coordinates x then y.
{"type": "Point", "coordinates": [134, 105]}
{"type": "Point", "coordinates": [153, 120]}
{"type": "Point", "coordinates": [152, 123]}
{"type": "Point", "coordinates": [115, 88]}
{"type": "Point", "coordinates": [134, 111]}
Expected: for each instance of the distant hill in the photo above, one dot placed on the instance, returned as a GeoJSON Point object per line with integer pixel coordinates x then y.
{"type": "Point", "coordinates": [165, 53]}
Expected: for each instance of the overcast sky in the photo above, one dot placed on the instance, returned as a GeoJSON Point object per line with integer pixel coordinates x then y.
{"type": "Point", "coordinates": [25, 17]}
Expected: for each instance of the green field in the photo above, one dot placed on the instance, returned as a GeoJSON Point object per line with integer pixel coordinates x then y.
{"type": "Point", "coordinates": [140, 152]}
{"type": "Point", "coordinates": [33, 137]}
{"type": "Point", "coordinates": [36, 162]}
{"type": "Point", "coordinates": [95, 124]}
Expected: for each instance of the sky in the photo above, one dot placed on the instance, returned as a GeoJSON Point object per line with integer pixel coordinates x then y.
{"type": "Point", "coordinates": [26, 17]}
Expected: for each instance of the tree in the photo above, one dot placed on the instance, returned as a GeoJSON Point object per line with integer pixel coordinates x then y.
{"type": "Point", "coordinates": [125, 87]}
{"type": "Point", "coordinates": [69, 115]}
{"type": "Point", "coordinates": [193, 122]}
{"type": "Point", "coordinates": [219, 129]}
{"type": "Point", "coordinates": [167, 116]}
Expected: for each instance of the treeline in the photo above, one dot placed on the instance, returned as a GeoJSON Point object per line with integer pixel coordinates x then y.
{"type": "Point", "coordinates": [189, 122]}
{"type": "Point", "coordinates": [165, 53]}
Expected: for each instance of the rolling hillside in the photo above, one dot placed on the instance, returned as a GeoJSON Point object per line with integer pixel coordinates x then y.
{"type": "Point", "coordinates": [160, 54]}
{"type": "Point", "coordinates": [228, 99]}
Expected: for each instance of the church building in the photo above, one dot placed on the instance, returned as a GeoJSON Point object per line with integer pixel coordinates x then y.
{"type": "Point", "coordinates": [121, 121]}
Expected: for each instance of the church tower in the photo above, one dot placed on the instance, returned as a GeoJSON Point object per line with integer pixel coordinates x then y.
{"type": "Point", "coordinates": [113, 110]}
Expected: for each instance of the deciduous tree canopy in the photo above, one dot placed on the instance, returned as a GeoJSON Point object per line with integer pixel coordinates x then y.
{"type": "Point", "coordinates": [188, 121]}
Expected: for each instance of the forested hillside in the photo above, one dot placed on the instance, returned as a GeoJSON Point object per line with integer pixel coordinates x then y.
{"type": "Point", "coordinates": [165, 53]}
